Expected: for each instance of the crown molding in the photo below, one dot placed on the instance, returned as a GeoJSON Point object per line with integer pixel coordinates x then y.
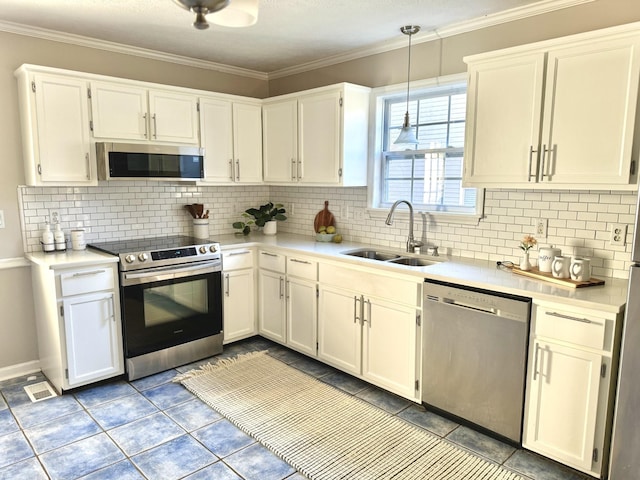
{"type": "Point", "coordinates": [81, 41]}
{"type": "Point", "coordinates": [506, 16]}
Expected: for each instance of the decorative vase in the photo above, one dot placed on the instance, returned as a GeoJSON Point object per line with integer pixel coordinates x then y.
{"type": "Point", "coordinates": [525, 264]}
{"type": "Point", "coordinates": [201, 228]}
{"type": "Point", "coordinates": [270, 228]}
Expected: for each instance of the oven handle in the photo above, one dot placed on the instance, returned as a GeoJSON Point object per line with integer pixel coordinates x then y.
{"type": "Point", "coordinates": [168, 273]}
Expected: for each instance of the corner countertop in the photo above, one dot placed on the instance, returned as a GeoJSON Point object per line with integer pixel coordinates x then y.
{"type": "Point", "coordinates": [70, 258]}
{"type": "Point", "coordinates": [483, 274]}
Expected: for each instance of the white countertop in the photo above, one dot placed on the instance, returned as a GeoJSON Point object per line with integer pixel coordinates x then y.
{"type": "Point", "coordinates": [70, 258]}
{"type": "Point", "coordinates": [484, 274]}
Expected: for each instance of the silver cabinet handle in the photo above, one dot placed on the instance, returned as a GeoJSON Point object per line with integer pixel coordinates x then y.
{"type": "Point", "coordinates": [364, 319]}
{"type": "Point", "coordinates": [535, 361]}
{"type": "Point", "coordinates": [293, 169]}
{"type": "Point", "coordinates": [86, 157]}
{"type": "Point", "coordinates": [244, 252]}
{"type": "Point", "coordinates": [113, 309]}
{"type": "Point", "coordinates": [300, 261]}
{"type": "Point", "coordinates": [231, 171]}
{"type": "Point", "coordinates": [287, 289]}
{"type": "Point", "coordinates": [569, 317]}
{"type": "Point", "coordinates": [281, 287]}
{"type": "Point", "coordinates": [238, 170]}
{"type": "Point", "coordinates": [146, 128]}
{"type": "Point", "coordinates": [155, 126]}
{"type": "Point", "coordinates": [355, 309]}
{"type": "Point", "coordinates": [531, 152]}
{"type": "Point", "coordinates": [226, 288]}
{"type": "Point", "coordinates": [542, 167]}
{"type": "Point", "coordinates": [86, 274]}
{"type": "Point", "coordinates": [300, 171]}
{"type": "Point", "coordinates": [269, 254]}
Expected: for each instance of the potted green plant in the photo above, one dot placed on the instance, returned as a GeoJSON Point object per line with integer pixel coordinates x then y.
{"type": "Point", "coordinates": [265, 216]}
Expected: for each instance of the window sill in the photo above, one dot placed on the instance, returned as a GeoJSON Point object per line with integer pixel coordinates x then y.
{"type": "Point", "coordinates": [438, 217]}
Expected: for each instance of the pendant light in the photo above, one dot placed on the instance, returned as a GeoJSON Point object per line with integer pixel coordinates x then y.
{"type": "Point", "coordinates": [407, 136]}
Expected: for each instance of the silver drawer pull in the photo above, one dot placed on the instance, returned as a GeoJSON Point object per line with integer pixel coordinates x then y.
{"type": "Point", "coordinates": [569, 317]}
{"type": "Point", "coordinates": [269, 254]}
{"type": "Point", "coordinates": [86, 274]}
{"type": "Point", "coordinates": [238, 253]}
{"type": "Point", "coordinates": [300, 261]}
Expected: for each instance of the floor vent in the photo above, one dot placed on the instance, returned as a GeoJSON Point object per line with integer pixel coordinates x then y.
{"type": "Point", "coordinates": [40, 391]}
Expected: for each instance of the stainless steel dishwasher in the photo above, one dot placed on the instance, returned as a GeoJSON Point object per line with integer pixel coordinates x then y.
{"type": "Point", "coordinates": [474, 356]}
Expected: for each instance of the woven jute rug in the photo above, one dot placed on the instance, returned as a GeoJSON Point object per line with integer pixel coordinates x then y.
{"type": "Point", "coordinates": [324, 432]}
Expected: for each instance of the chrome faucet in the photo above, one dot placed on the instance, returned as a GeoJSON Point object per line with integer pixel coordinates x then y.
{"type": "Point", "coordinates": [411, 242]}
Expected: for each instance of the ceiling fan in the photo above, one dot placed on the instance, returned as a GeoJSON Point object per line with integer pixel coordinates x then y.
{"type": "Point", "coordinates": [228, 13]}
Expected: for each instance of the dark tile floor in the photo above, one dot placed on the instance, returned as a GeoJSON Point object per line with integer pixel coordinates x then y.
{"type": "Point", "coordinates": [155, 429]}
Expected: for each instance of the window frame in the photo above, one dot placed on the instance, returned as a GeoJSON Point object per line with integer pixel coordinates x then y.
{"type": "Point", "coordinates": [375, 207]}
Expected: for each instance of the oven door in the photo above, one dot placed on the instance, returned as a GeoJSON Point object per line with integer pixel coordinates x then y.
{"type": "Point", "coordinates": [165, 307]}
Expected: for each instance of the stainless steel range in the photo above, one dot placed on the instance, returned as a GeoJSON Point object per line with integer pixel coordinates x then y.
{"type": "Point", "coordinates": [171, 298]}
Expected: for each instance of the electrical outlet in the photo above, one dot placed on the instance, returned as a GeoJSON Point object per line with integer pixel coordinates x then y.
{"type": "Point", "coordinates": [54, 217]}
{"type": "Point", "coordinates": [2, 225]}
{"type": "Point", "coordinates": [358, 213]}
{"type": "Point", "coordinates": [292, 208]}
{"type": "Point", "coordinates": [541, 228]}
{"type": "Point", "coordinates": [618, 234]}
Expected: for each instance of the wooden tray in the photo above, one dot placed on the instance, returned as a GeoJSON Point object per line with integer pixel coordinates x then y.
{"type": "Point", "coordinates": [548, 277]}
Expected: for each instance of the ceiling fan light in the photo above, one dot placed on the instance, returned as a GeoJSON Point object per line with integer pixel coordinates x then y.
{"type": "Point", "coordinates": [201, 8]}
{"type": "Point", "coordinates": [239, 13]}
{"type": "Point", "coordinates": [201, 21]}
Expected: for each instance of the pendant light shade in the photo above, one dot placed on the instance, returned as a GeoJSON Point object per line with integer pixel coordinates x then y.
{"type": "Point", "coordinates": [407, 135]}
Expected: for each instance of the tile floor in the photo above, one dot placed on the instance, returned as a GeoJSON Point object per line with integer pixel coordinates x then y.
{"type": "Point", "coordinates": [155, 429]}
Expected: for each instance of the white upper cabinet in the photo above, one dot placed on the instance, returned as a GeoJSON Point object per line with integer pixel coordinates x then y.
{"type": "Point", "coordinates": [231, 135]}
{"type": "Point", "coordinates": [54, 112]}
{"type": "Point", "coordinates": [317, 137]}
{"type": "Point", "coordinates": [559, 114]}
{"type": "Point", "coordinates": [127, 112]}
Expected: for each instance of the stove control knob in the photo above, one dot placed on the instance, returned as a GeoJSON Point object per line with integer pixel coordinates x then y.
{"type": "Point", "coordinates": [213, 249]}
{"type": "Point", "coordinates": [203, 249]}
{"type": "Point", "coordinates": [143, 257]}
{"type": "Point", "coordinates": [130, 258]}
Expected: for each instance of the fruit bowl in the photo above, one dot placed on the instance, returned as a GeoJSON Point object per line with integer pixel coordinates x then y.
{"type": "Point", "coordinates": [325, 237]}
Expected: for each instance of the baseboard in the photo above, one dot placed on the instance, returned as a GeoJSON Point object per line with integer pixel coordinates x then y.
{"type": "Point", "coordinates": [19, 370]}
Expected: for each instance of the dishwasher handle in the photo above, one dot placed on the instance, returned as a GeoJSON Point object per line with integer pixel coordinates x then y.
{"type": "Point", "coordinates": [479, 308]}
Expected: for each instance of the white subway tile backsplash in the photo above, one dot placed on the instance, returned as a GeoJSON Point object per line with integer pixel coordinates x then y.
{"type": "Point", "coordinates": [578, 223]}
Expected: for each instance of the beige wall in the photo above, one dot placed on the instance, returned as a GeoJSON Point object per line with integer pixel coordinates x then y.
{"type": "Point", "coordinates": [391, 67]}
{"type": "Point", "coordinates": [17, 329]}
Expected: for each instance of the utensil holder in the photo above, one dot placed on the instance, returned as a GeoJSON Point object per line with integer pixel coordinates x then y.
{"type": "Point", "coordinates": [201, 228]}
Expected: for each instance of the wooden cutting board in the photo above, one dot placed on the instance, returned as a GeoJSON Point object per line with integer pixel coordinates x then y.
{"type": "Point", "coordinates": [548, 277]}
{"type": "Point", "coordinates": [323, 217]}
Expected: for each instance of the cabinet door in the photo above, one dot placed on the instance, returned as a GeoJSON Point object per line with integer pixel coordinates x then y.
{"type": "Point", "coordinates": [92, 337]}
{"type": "Point", "coordinates": [119, 111]}
{"type": "Point", "coordinates": [562, 403]}
{"type": "Point", "coordinates": [389, 347]}
{"type": "Point", "coordinates": [319, 127]}
{"type": "Point", "coordinates": [504, 107]}
{"type": "Point", "coordinates": [216, 136]}
{"type": "Point", "coordinates": [239, 305]}
{"type": "Point", "coordinates": [174, 117]}
{"type": "Point", "coordinates": [589, 112]}
{"type": "Point", "coordinates": [280, 130]}
{"type": "Point", "coordinates": [247, 142]}
{"type": "Point", "coordinates": [302, 308]}
{"type": "Point", "coordinates": [63, 136]}
{"type": "Point", "coordinates": [340, 329]}
{"type": "Point", "coordinates": [271, 309]}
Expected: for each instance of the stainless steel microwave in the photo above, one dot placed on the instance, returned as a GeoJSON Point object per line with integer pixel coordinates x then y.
{"type": "Point", "coordinates": [139, 161]}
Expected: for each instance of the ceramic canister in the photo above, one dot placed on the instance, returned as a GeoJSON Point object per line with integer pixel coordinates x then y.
{"type": "Point", "coordinates": [546, 256]}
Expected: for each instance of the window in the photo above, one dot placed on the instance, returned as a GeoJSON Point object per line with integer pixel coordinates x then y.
{"type": "Point", "coordinates": [428, 174]}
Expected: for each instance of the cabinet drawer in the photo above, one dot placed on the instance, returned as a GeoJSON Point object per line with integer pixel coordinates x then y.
{"type": "Point", "coordinates": [370, 283]}
{"type": "Point", "coordinates": [573, 327]}
{"type": "Point", "coordinates": [272, 261]}
{"type": "Point", "coordinates": [237, 259]}
{"type": "Point", "coordinates": [87, 280]}
{"type": "Point", "coordinates": [302, 267]}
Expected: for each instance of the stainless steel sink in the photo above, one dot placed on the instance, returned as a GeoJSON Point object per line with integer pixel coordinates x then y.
{"type": "Point", "coordinates": [372, 255]}
{"type": "Point", "coordinates": [388, 257]}
{"type": "Point", "coordinates": [413, 261]}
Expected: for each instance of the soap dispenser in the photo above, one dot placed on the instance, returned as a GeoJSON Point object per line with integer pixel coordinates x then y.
{"type": "Point", "coordinates": [48, 243]}
{"type": "Point", "coordinates": [59, 240]}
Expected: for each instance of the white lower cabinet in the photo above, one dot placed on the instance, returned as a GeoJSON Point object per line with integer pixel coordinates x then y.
{"type": "Point", "coordinates": [78, 323]}
{"type": "Point", "coordinates": [239, 294]}
{"type": "Point", "coordinates": [302, 318]}
{"type": "Point", "coordinates": [369, 332]}
{"type": "Point", "coordinates": [272, 309]}
{"type": "Point", "coordinates": [569, 385]}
